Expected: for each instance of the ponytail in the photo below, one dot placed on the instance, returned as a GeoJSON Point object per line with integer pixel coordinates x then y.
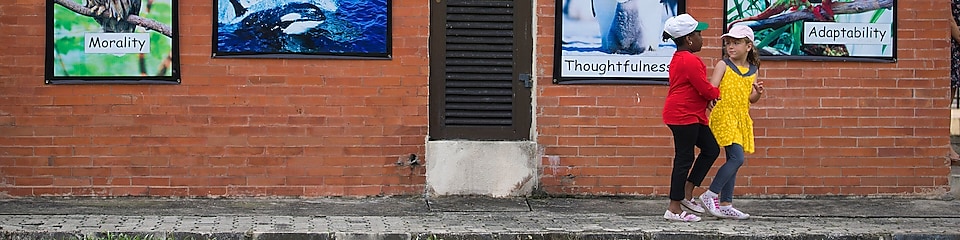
{"type": "Point", "coordinates": [675, 40]}
{"type": "Point", "coordinates": [753, 57]}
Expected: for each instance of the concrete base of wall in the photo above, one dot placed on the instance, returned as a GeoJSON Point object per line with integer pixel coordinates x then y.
{"type": "Point", "coordinates": [955, 181]}
{"type": "Point", "coordinates": [497, 169]}
{"type": "Point", "coordinates": [954, 122]}
{"type": "Point", "coordinates": [955, 143]}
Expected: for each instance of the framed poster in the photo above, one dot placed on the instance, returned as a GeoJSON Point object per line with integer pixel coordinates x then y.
{"type": "Point", "coordinates": [613, 41]}
{"type": "Point", "coordinates": [302, 29]}
{"type": "Point", "coordinates": [112, 42]}
{"type": "Point", "coordinates": [819, 30]}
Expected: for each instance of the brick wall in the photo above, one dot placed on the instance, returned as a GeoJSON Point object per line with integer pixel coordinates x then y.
{"type": "Point", "coordinates": [252, 127]}
{"type": "Point", "coordinates": [823, 128]}
{"type": "Point", "coordinates": [235, 127]}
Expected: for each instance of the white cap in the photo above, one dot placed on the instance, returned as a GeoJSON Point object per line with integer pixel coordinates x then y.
{"type": "Point", "coordinates": [740, 31]}
{"type": "Point", "coordinates": [682, 24]}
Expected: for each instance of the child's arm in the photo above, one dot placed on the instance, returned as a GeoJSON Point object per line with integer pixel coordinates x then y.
{"type": "Point", "coordinates": [954, 31]}
{"type": "Point", "coordinates": [757, 91]}
{"type": "Point", "coordinates": [718, 73]}
{"type": "Point", "coordinates": [697, 76]}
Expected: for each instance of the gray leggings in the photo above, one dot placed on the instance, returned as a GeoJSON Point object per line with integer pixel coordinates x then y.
{"type": "Point", "coordinates": [727, 174]}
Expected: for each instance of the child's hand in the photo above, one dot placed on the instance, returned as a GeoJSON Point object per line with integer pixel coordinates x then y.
{"type": "Point", "coordinates": [758, 86]}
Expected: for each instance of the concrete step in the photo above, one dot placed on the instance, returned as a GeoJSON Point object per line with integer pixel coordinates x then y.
{"type": "Point", "coordinates": [954, 121]}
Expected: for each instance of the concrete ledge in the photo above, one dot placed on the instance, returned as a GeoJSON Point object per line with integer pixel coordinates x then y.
{"type": "Point", "coordinates": [488, 168]}
{"type": "Point", "coordinates": [954, 121]}
{"type": "Point", "coordinates": [706, 235]}
{"type": "Point", "coordinates": [954, 179]}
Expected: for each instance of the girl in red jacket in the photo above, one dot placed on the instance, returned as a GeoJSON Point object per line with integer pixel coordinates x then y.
{"type": "Point", "coordinates": [685, 112]}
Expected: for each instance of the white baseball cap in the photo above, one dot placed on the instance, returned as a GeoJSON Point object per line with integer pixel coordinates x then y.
{"type": "Point", "coordinates": [682, 24]}
{"type": "Point", "coordinates": [739, 31]}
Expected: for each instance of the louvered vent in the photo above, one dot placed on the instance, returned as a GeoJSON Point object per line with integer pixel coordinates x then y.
{"type": "Point", "coordinates": [479, 63]}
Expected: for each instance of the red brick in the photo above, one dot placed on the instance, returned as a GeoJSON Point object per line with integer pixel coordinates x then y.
{"type": "Point", "coordinates": [207, 191]}
{"type": "Point", "coordinates": [129, 191]}
{"type": "Point", "coordinates": [234, 121]}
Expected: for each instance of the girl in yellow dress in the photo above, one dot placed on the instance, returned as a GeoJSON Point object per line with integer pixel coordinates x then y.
{"type": "Point", "coordinates": [730, 120]}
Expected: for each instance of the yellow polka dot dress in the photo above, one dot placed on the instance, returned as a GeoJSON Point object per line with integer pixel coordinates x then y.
{"type": "Point", "coordinates": [730, 119]}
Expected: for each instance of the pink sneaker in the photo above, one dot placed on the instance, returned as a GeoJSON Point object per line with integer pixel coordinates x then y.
{"type": "Point", "coordinates": [733, 213]}
{"type": "Point", "coordinates": [711, 203]}
{"type": "Point", "coordinates": [692, 205]}
{"type": "Point", "coordinates": [682, 217]}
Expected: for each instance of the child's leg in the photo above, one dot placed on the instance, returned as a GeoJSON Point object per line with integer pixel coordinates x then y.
{"type": "Point", "coordinates": [709, 151]}
{"type": "Point", "coordinates": [735, 154]}
{"type": "Point", "coordinates": [724, 180]}
{"type": "Point", "coordinates": [684, 139]}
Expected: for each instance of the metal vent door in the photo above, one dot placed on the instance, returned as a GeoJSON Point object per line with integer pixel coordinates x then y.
{"type": "Point", "coordinates": [480, 61]}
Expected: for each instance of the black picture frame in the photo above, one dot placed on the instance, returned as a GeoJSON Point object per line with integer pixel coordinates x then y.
{"type": "Point", "coordinates": [583, 54]}
{"type": "Point", "coordinates": [115, 47]}
{"type": "Point", "coordinates": [311, 29]}
{"type": "Point", "coordinates": [777, 35]}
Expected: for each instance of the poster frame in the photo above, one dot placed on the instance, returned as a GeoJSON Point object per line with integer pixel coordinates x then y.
{"type": "Point", "coordinates": [561, 79]}
{"type": "Point", "coordinates": [890, 5]}
{"type": "Point", "coordinates": [387, 54]}
{"type": "Point", "coordinates": [170, 63]}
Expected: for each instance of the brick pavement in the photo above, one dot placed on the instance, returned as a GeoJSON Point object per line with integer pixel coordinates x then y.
{"type": "Point", "coordinates": [471, 218]}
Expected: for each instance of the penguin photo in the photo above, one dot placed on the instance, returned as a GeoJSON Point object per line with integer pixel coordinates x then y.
{"type": "Point", "coordinates": [614, 39]}
{"type": "Point", "coordinates": [629, 27]}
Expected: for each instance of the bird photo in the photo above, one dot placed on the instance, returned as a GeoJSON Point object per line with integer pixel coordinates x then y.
{"type": "Point", "coordinates": [302, 28]}
{"type": "Point", "coordinates": [817, 28]}
{"type": "Point", "coordinates": [116, 12]}
{"type": "Point", "coordinates": [111, 41]}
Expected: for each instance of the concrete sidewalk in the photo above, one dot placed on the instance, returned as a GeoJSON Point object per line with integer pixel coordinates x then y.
{"type": "Point", "coordinates": [470, 218]}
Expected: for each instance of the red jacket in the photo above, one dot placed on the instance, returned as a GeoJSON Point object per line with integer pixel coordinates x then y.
{"type": "Point", "coordinates": [690, 91]}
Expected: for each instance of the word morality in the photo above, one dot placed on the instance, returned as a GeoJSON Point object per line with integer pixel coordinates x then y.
{"type": "Point", "coordinates": [117, 43]}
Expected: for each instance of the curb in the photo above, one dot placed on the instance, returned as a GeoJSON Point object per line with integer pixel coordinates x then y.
{"type": "Point", "coordinates": [463, 236]}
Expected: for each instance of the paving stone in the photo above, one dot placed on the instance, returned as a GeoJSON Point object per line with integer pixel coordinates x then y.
{"type": "Point", "coordinates": [546, 219]}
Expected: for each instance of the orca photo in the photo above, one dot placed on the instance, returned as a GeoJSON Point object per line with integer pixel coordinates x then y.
{"type": "Point", "coordinates": [302, 29]}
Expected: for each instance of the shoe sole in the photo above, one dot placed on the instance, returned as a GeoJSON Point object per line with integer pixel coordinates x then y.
{"type": "Point", "coordinates": [676, 220]}
{"type": "Point", "coordinates": [708, 212]}
{"type": "Point", "coordinates": [681, 220]}
{"type": "Point", "coordinates": [691, 209]}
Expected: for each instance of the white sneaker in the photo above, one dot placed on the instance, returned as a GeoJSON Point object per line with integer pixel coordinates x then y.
{"type": "Point", "coordinates": [692, 205]}
{"type": "Point", "coordinates": [733, 213]}
{"type": "Point", "coordinates": [711, 203]}
{"type": "Point", "coordinates": [682, 217]}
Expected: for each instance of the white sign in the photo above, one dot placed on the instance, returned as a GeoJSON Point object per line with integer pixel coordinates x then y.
{"type": "Point", "coordinates": [847, 33]}
{"type": "Point", "coordinates": [116, 43]}
{"type": "Point", "coordinates": [607, 66]}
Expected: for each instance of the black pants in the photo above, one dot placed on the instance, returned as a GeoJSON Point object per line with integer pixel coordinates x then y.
{"type": "Point", "coordinates": [685, 137]}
